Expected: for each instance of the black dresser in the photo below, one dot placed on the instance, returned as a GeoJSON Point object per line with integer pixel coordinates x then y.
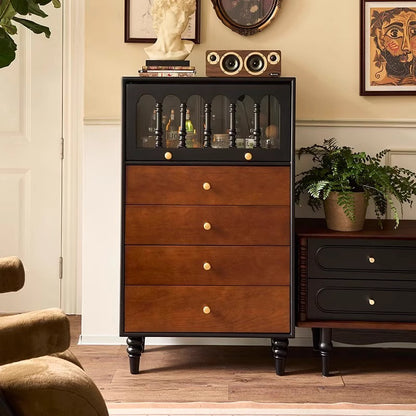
{"type": "Point", "coordinates": [355, 280]}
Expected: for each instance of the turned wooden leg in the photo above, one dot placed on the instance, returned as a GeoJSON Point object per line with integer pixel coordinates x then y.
{"type": "Point", "coordinates": [325, 347]}
{"type": "Point", "coordinates": [316, 338]}
{"type": "Point", "coordinates": [135, 347]}
{"type": "Point", "coordinates": [279, 351]}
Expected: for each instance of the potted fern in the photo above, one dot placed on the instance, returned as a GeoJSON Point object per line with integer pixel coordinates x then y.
{"type": "Point", "coordinates": [340, 177]}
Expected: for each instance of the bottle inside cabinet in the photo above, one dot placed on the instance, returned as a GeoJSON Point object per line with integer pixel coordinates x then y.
{"type": "Point", "coordinates": [219, 124]}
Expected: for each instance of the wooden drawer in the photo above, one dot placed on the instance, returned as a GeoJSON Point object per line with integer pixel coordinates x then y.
{"type": "Point", "coordinates": [233, 309]}
{"type": "Point", "coordinates": [229, 185]}
{"type": "Point", "coordinates": [207, 265]}
{"type": "Point", "coordinates": [230, 225]}
{"type": "Point", "coordinates": [362, 300]}
{"type": "Point", "coordinates": [361, 259]}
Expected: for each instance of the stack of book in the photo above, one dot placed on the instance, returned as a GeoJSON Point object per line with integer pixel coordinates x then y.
{"type": "Point", "coordinates": [160, 68]}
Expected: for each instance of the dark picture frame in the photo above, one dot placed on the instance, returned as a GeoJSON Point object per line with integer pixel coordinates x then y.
{"type": "Point", "coordinates": [138, 23]}
{"type": "Point", "coordinates": [246, 17]}
{"type": "Point", "coordinates": [388, 47]}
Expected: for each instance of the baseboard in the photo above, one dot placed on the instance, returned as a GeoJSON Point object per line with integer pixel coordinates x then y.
{"type": "Point", "coordinates": [294, 342]}
{"type": "Point", "coordinates": [114, 340]}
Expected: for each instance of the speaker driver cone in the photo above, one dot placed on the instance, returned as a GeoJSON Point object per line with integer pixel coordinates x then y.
{"type": "Point", "coordinates": [231, 63]}
{"type": "Point", "coordinates": [255, 63]}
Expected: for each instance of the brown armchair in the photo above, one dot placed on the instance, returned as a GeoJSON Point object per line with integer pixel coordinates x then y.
{"type": "Point", "coordinates": [39, 376]}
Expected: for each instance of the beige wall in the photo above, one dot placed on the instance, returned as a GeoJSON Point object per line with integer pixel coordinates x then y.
{"type": "Point", "coordinates": [319, 41]}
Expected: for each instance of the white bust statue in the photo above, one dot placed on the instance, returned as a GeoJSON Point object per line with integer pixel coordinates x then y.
{"type": "Point", "coordinates": [170, 18]}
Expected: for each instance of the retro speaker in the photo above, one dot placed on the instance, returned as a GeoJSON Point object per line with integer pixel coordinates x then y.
{"type": "Point", "coordinates": [243, 63]}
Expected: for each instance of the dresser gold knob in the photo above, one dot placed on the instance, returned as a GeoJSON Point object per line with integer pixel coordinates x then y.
{"type": "Point", "coordinates": [168, 155]}
{"type": "Point", "coordinates": [371, 260]}
{"type": "Point", "coordinates": [206, 310]}
{"type": "Point", "coordinates": [206, 266]}
{"type": "Point", "coordinates": [372, 302]}
{"type": "Point", "coordinates": [248, 156]}
{"type": "Point", "coordinates": [207, 226]}
{"type": "Point", "coordinates": [206, 186]}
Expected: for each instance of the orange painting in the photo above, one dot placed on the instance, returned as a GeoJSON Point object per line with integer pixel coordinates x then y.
{"type": "Point", "coordinates": [393, 46]}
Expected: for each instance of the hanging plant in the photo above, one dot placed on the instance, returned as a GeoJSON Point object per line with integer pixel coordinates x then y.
{"type": "Point", "coordinates": [11, 12]}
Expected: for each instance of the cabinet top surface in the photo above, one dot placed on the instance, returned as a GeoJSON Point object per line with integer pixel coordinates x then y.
{"type": "Point", "coordinates": [316, 227]}
{"type": "Point", "coordinates": [208, 80]}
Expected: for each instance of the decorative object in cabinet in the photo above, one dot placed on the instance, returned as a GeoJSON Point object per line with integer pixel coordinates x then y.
{"type": "Point", "coordinates": [207, 232]}
{"type": "Point", "coordinates": [356, 280]}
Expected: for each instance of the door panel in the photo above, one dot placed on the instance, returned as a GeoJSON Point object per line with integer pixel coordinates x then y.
{"type": "Point", "coordinates": [30, 165]}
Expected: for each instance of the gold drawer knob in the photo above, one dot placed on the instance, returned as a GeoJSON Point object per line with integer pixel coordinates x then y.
{"type": "Point", "coordinates": [206, 310]}
{"type": "Point", "coordinates": [168, 155]}
{"type": "Point", "coordinates": [207, 226]}
{"type": "Point", "coordinates": [248, 156]}
{"type": "Point", "coordinates": [371, 302]}
{"type": "Point", "coordinates": [206, 186]}
{"type": "Point", "coordinates": [206, 266]}
{"type": "Point", "coordinates": [371, 260]}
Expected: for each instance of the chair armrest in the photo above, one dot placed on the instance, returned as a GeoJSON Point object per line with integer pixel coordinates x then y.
{"type": "Point", "coordinates": [33, 334]}
{"type": "Point", "coordinates": [12, 274]}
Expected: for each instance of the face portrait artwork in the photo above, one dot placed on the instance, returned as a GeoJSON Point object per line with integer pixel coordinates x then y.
{"type": "Point", "coordinates": [393, 46]}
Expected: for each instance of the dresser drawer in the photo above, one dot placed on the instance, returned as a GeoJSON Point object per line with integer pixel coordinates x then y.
{"type": "Point", "coordinates": [227, 185]}
{"type": "Point", "coordinates": [362, 300]}
{"type": "Point", "coordinates": [229, 225]}
{"type": "Point", "coordinates": [232, 309]}
{"type": "Point", "coordinates": [207, 265]}
{"type": "Point", "coordinates": [361, 259]}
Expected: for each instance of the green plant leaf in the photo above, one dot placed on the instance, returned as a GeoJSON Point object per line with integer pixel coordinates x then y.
{"type": "Point", "coordinates": [35, 9]}
{"type": "Point", "coordinates": [34, 27]}
{"type": "Point", "coordinates": [7, 49]}
{"type": "Point", "coordinates": [56, 3]}
{"type": "Point", "coordinates": [20, 6]}
{"type": "Point", "coordinates": [4, 4]}
{"type": "Point", "coordinates": [342, 170]}
{"type": "Point", "coordinates": [9, 27]}
{"type": "Point", "coordinates": [7, 12]}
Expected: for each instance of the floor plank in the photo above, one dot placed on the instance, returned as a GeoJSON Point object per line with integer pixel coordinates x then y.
{"type": "Point", "coordinates": [237, 373]}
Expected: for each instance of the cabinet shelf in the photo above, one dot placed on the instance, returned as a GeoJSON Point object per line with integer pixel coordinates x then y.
{"type": "Point", "coordinates": [227, 121]}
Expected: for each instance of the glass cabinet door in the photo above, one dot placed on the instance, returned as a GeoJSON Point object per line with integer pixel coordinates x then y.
{"type": "Point", "coordinates": [216, 121]}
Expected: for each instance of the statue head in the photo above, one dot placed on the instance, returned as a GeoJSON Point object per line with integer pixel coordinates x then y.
{"type": "Point", "coordinates": [180, 10]}
{"type": "Point", "coordinates": [170, 18]}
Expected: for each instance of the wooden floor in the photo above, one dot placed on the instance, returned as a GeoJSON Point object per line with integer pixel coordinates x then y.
{"type": "Point", "coordinates": [235, 373]}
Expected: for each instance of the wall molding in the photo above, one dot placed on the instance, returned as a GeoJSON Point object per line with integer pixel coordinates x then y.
{"type": "Point", "coordinates": [398, 152]}
{"type": "Point", "coordinates": [357, 123]}
{"type": "Point", "coordinates": [299, 123]}
{"type": "Point", "coordinates": [102, 121]}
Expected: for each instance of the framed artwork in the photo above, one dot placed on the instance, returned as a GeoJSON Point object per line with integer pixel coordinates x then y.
{"type": "Point", "coordinates": [138, 25]}
{"type": "Point", "coordinates": [388, 47]}
{"type": "Point", "coordinates": [246, 17]}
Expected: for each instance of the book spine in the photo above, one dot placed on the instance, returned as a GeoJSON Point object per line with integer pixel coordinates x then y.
{"type": "Point", "coordinates": [167, 68]}
{"type": "Point", "coordinates": [167, 74]}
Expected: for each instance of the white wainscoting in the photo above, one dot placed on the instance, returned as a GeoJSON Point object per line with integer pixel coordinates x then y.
{"type": "Point", "coordinates": [101, 208]}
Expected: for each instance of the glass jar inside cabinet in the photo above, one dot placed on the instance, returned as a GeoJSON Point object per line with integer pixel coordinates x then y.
{"type": "Point", "coordinates": [208, 119]}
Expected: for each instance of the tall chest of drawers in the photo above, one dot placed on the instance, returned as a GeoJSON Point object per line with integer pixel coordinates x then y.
{"type": "Point", "coordinates": [207, 230]}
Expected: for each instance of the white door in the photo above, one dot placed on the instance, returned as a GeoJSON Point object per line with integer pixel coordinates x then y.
{"type": "Point", "coordinates": [30, 164]}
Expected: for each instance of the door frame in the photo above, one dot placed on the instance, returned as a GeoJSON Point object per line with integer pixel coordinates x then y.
{"type": "Point", "coordinates": [72, 113]}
